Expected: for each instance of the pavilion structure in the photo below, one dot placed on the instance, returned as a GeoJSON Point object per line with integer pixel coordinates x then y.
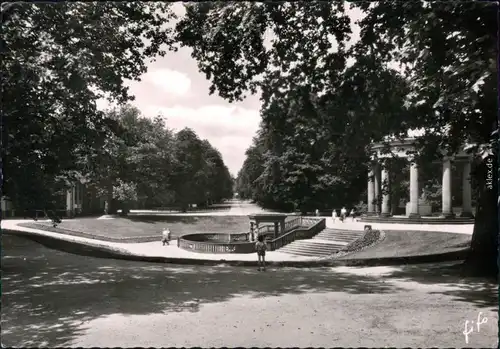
{"type": "Point", "coordinates": [378, 200]}
{"type": "Point", "coordinates": [278, 221]}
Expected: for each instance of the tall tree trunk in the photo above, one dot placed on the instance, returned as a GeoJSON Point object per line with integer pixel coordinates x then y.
{"type": "Point", "coordinates": [483, 255]}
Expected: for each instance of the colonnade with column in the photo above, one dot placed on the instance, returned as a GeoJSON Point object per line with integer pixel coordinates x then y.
{"type": "Point", "coordinates": [379, 185]}
{"type": "Point", "coordinates": [74, 199]}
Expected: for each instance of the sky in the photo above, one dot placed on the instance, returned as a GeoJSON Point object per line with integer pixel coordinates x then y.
{"type": "Point", "coordinates": [174, 87]}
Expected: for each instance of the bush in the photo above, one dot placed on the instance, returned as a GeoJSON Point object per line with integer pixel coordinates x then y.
{"type": "Point", "coordinates": [368, 239]}
{"type": "Point", "coordinates": [361, 208]}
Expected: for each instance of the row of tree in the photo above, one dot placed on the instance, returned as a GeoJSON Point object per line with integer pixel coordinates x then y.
{"type": "Point", "coordinates": [57, 62]}
{"type": "Point", "coordinates": [311, 150]}
{"type": "Point", "coordinates": [319, 113]}
{"type": "Point", "coordinates": [146, 164]}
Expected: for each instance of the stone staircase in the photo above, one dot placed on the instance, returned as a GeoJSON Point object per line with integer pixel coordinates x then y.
{"type": "Point", "coordinates": [327, 242]}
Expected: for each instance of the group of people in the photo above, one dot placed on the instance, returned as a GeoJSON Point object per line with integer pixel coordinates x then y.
{"type": "Point", "coordinates": [343, 214]}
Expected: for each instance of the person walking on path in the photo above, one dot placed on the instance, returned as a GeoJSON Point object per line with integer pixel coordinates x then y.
{"type": "Point", "coordinates": [343, 213]}
{"type": "Point", "coordinates": [353, 214]}
{"type": "Point", "coordinates": [166, 236]}
{"type": "Point", "coordinates": [261, 247]}
{"type": "Point", "coordinates": [334, 215]}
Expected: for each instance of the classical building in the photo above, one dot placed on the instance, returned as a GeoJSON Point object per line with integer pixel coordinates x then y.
{"type": "Point", "coordinates": [378, 199]}
{"type": "Point", "coordinates": [78, 200]}
{"type": "Point", "coordinates": [83, 200]}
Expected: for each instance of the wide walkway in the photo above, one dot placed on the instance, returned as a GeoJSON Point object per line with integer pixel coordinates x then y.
{"type": "Point", "coordinates": [156, 249]}
{"type": "Point", "coordinates": [449, 228]}
{"type": "Point", "coordinates": [230, 208]}
{"type": "Point", "coordinates": [55, 299]}
{"type": "Point", "coordinates": [245, 208]}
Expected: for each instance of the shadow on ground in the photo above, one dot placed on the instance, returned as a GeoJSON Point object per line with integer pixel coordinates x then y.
{"type": "Point", "coordinates": [478, 290]}
{"type": "Point", "coordinates": [48, 295]}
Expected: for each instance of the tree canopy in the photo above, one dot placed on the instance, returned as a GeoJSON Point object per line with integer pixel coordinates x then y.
{"type": "Point", "coordinates": [145, 164]}
{"type": "Point", "coordinates": [447, 50]}
{"type": "Point", "coordinates": [58, 61]}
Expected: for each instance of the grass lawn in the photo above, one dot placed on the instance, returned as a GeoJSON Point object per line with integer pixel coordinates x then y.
{"type": "Point", "coordinates": [138, 226]}
{"type": "Point", "coordinates": [413, 243]}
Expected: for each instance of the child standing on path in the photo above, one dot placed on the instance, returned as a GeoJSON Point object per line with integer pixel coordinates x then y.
{"type": "Point", "coordinates": [166, 236]}
{"type": "Point", "coordinates": [260, 247]}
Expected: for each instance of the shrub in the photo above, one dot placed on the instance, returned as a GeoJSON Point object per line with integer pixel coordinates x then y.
{"type": "Point", "coordinates": [369, 238]}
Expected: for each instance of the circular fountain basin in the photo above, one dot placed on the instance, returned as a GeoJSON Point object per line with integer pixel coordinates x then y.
{"type": "Point", "coordinates": [217, 243]}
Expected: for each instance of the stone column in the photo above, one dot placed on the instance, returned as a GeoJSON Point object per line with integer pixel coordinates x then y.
{"type": "Point", "coordinates": [376, 177]}
{"type": "Point", "coordinates": [82, 198]}
{"type": "Point", "coordinates": [371, 193]}
{"type": "Point", "coordinates": [282, 227]}
{"type": "Point", "coordinates": [81, 195]}
{"type": "Point", "coordinates": [70, 202]}
{"type": "Point", "coordinates": [447, 210]}
{"type": "Point", "coordinates": [276, 229]}
{"type": "Point", "coordinates": [414, 191]}
{"type": "Point", "coordinates": [466, 192]}
{"type": "Point", "coordinates": [5, 207]}
{"type": "Point", "coordinates": [385, 209]}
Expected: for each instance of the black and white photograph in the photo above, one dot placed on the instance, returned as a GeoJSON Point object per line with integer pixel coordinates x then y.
{"type": "Point", "coordinates": [250, 174]}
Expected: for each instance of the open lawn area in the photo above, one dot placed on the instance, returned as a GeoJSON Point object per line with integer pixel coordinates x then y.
{"type": "Point", "coordinates": [147, 226]}
{"type": "Point", "coordinates": [399, 243]}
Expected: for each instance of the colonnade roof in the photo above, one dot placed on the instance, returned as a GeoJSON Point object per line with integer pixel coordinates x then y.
{"type": "Point", "coordinates": [403, 145]}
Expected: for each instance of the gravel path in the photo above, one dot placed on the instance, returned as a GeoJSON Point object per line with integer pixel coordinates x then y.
{"type": "Point", "coordinates": [51, 298]}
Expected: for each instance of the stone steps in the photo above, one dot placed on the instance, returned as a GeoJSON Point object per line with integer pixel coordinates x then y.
{"type": "Point", "coordinates": [317, 239]}
{"type": "Point", "coordinates": [307, 254]}
{"type": "Point", "coordinates": [312, 244]}
{"type": "Point", "coordinates": [333, 239]}
{"type": "Point", "coordinates": [341, 231]}
{"type": "Point", "coordinates": [300, 249]}
{"type": "Point", "coordinates": [327, 242]}
{"type": "Point", "coordinates": [341, 236]}
{"type": "Point", "coordinates": [345, 236]}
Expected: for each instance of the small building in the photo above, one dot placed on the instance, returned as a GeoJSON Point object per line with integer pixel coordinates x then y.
{"type": "Point", "coordinates": [79, 199]}
{"type": "Point", "coordinates": [82, 199]}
